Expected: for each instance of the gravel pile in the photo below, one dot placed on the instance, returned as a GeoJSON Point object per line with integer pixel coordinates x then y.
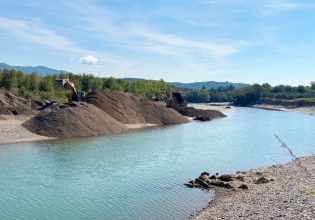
{"type": "Point", "coordinates": [132, 109]}
{"type": "Point", "coordinates": [76, 120]}
{"type": "Point", "coordinates": [289, 195]}
{"type": "Point", "coordinates": [207, 114]}
{"type": "Point", "coordinates": [11, 104]}
{"type": "Point", "coordinates": [103, 113]}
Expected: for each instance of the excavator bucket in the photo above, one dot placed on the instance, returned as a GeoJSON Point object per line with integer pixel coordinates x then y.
{"type": "Point", "coordinates": [177, 102]}
{"type": "Point", "coordinates": [177, 97]}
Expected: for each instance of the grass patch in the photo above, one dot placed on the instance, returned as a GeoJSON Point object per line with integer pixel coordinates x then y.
{"type": "Point", "coordinates": [308, 192]}
{"type": "Point", "coordinates": [299, 100]}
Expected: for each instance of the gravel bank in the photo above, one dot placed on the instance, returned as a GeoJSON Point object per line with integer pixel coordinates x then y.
{"type": "Point", "coordinates": [309, 110]}
{"type": "Point", "coordinates": [290, 196]}
{"type": "Point", "coordinates": [12, 131]}
{"type": "Point", "coordinates": [207, 106]}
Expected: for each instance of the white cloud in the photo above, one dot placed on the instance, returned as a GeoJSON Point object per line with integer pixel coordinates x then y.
{"type": "Point", "coordinates": [132, 35]}
{"type": "Point", "coordinates": [42, 37]}
{"type": "Point", "coordinates": [89, 59]}
{"type": "Point", "coordinates": [282, 6]}
{"type": "Point", "coordinates": [39, 35]}
{"type": "Point", "coordinates": [215, 49]}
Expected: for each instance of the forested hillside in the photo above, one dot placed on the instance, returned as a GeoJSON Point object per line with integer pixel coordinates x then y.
{"type": "Point", "coordinates": [207, 85]}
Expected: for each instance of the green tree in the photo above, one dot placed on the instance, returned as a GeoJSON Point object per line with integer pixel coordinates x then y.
{"type": "Point", "coordinates": [34, 80]}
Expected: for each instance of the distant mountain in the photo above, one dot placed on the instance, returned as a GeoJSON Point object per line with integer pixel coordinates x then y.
{"type": "Point", "coordinates": [136, 79]}
{"type": "Point", "coordinates": [207, 85]}
{"type": "Point", "coordinates": [40, 70]}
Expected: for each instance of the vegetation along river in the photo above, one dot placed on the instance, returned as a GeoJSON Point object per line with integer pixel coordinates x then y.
{"type": "Point", "coordinates": [140, 175]}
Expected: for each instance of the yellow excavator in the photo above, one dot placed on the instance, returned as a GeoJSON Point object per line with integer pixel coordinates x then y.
{"type": "Point", "coordinates": [75, 95]}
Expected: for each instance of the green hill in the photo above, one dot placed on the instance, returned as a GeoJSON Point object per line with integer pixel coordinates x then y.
{"type": "Point", "coordinates": [40, 70]}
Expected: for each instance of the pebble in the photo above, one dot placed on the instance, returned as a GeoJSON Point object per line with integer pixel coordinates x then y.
{"type": "Point", "coordinates": [281, 199]}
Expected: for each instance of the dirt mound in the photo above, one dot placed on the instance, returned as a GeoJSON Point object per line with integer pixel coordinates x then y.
{"type": "Point", "coordinates": [157, 114]}
{"type": "Point", "coordinates": [77, 120]}
{"type": "Point", "coordinates": [124, 107]}
{"type": "Point", "coordinates": [11, 104]}
{"type": "Point", "coordinates": [132, 109]}
{"type": "Point", "coordinates": [210, 114]}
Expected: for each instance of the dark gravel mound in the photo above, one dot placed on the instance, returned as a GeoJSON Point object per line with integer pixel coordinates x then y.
{"type": "Point", "coordinates": [132, 109]}
{"type": "Point", "coordinates": [11, 104]}
{"type": "Point", "coordinates": [76, 120]}
{"type": "Point", "coordinates": [210, 114]}
{"type": "Point", "coordinates": [124, 107]}
{"type": "Point", "coordinates": [158, 114]}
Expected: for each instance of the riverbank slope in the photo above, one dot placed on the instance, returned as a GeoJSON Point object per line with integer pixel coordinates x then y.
{"type": "Point", "coordinates": [101, 113]}
{"type": "Point", "coordinates": [289, 195]}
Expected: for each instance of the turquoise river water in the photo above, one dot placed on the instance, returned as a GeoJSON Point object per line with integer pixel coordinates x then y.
{"type": "Point", "coordinates": [140, 175]}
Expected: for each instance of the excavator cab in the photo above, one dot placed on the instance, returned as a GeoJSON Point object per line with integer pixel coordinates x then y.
{"type": "Point", "coordinates": [75, 96]}
{"type": "Point", "coordinates": [61, 82]}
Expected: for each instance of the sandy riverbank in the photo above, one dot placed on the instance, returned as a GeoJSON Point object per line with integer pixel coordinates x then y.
{"type": "Point", "coordinates": [290, 194]}
{"type": "Point", "coordinates": [308, 110]}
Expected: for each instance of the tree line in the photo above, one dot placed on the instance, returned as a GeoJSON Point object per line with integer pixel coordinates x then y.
{"type": "Point", "coordinates": [251, 93]}
{"type": "Point", "coordinates": [42, 87]}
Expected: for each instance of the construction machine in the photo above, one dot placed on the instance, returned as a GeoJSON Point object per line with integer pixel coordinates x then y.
{"type": "Point", "coordinates": [177, 102]}
{"type": "Point", "coordinates": [75, 95]}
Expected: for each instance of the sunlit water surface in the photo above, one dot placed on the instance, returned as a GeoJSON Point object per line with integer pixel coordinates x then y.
{"type": "Point", "coordinates": [140, 175]}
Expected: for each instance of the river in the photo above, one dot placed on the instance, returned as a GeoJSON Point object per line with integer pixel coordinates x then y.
{"type": "Point", "coordinates": [140, 175]}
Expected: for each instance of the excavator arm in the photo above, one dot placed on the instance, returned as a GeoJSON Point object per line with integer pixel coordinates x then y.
{"type": "Point", "coordinates": [68, 83]}
{"type": "Point", "coordinates": [73, 90]}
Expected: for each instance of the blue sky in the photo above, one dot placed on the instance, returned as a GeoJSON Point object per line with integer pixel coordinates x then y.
{"type": "Point", "coordinates": [177, 40]}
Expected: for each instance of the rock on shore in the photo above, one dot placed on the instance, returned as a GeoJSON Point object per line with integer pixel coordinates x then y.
{"type": "Point", "coordinates": [278, 192]}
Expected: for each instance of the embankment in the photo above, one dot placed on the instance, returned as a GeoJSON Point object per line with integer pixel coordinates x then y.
{"type": "Point", "coordinates": [77, 120]}
{"type": "Point", "coordinates": [133, 109]}
{"type": "Point", "coordinates": [103, 113]}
